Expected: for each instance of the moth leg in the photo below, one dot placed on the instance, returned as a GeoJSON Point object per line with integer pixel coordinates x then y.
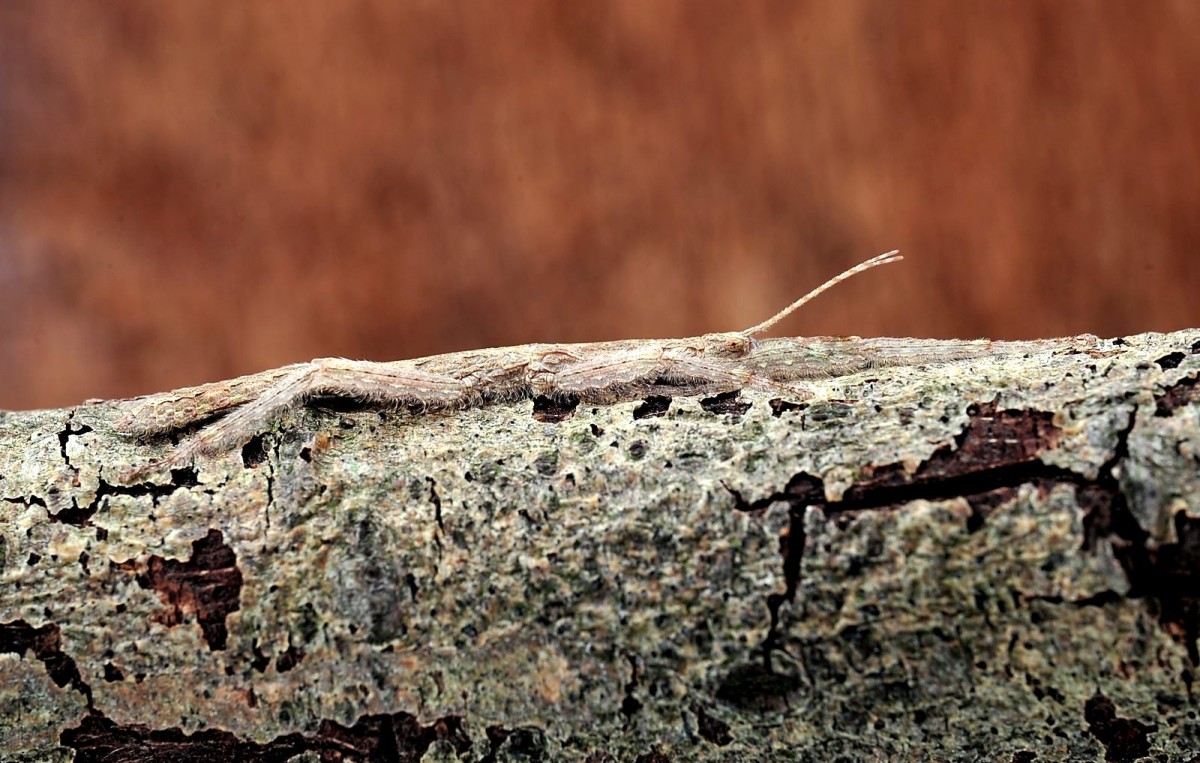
{"type": "Point", "coordinates": [165, 411]}
{"type": "Point", "coordinates": [766, 384]}
{"type": "Point", "coordinates": [395, 383]}
{"type": "Point", "coordinates": [626, 375]}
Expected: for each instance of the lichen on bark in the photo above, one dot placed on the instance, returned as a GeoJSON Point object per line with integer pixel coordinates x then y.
{"type": "Point", "coordinates": [994, 557]}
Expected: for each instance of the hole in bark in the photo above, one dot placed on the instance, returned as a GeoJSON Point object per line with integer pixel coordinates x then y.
{"type": "Point", "coordinates": [254, 452]}
{"type": "Point", "coordinates": [725, 403]}
{"type": "Point", "coordinates": [654, 405]}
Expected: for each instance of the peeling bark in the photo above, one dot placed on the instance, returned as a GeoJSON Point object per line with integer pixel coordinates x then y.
{"type": "Point", "coordinates": [996, 558]}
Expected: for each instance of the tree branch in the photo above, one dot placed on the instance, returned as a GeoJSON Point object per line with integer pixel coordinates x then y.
{"type": "Point", "coordinates": [997, 556]}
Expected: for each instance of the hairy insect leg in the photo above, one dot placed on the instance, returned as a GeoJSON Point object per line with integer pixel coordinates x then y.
{"type": "Point", "coordinates": [395, 383]}
{"type": "Point", "coordinates": [626, 375]}
{"type": "Point", "coordinates": [165, 411]}
{"type": "Point", "coordinates": [764, 383]}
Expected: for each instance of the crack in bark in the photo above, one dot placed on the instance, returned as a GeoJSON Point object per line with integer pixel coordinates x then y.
{"type": "Point", "coordinates": [997, 452]}
{"type": "Point", "coordinates": [1184, 392]}
{"type": "Point", "coordinates": [396, 737]}
{"type": "Point", "coordinates": [652, 406]}
{"type": "Point", "coordinates": [64, 437]}
{"type": "Point", "coordinates": [81, 516]}
{"type": "Point", "coordinates": [726, 403]}
{"type": "Point", "coordinates": [18, 637]}
{"type": "Point", "coordinates": [1125, 740]}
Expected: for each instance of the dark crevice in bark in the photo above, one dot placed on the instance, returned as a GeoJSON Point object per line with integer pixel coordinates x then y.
{"type": "Point", "coordinates": [522, 743]}
{"type": "Point", "coordinates": [1186, 391]}
{"type": "Point", "coordinates": [18, 637]}
{"type": "Point", "coordinates": [711, 728]}
{"type": "Point", "coordinates": [1125, 740]}
{"type": "Point", "coordinates": [995, 455]}
{"type": "Point", "coordinates": [652, 406]}
{"type": "Point", "coordinates": [726, 403]}
{"type": "Point", "coordinates": [392, 737]}
{"type": "Point", "coordinates": [64, 437]}
{"type": "Point", "coordinates": [80, 516]}
{"type": "Point", "coordinates": [630, 704]}
{"type": "Point", "coordinates": [254, 452]}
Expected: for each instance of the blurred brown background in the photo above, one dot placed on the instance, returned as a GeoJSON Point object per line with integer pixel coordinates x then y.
{"type": "Point", "coordinates": [190, 191]}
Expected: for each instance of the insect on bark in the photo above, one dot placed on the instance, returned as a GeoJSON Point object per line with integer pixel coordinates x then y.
{"type": "Point", "coordinates": [594, 373]}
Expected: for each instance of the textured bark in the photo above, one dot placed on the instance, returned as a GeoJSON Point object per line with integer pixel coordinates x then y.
{"type": "Point", "coordinates": [997, 558]}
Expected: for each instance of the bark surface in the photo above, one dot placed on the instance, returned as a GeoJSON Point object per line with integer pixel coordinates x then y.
{"type": "Point", "coordinates": [997, 558]}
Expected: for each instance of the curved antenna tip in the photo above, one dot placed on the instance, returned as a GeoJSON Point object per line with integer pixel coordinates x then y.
{"type": "Point", "coordinates": [879, 259]}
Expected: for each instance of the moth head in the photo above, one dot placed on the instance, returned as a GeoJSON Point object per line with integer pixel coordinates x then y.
{"type": "Point", "coordinates": [728, 345]}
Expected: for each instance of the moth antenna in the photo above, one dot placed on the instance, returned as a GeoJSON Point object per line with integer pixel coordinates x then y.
{"type": "Point", "coordinates": [882, 259]}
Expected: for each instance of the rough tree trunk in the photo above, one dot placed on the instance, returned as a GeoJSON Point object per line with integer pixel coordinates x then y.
{"type": "Point", "coordinates": [994, 559]}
